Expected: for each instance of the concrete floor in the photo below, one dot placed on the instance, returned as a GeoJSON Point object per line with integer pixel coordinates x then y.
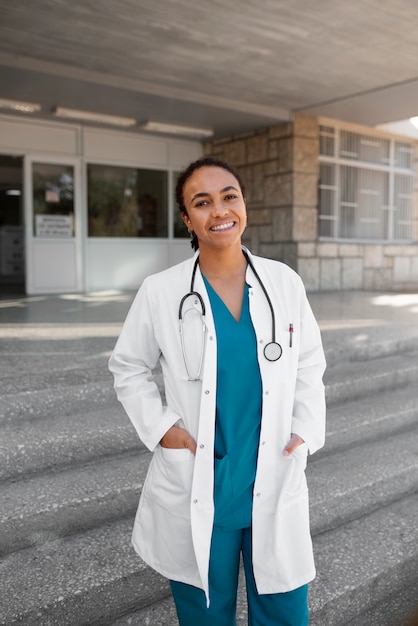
{"type": "Point", "coordinates": [358, 313]}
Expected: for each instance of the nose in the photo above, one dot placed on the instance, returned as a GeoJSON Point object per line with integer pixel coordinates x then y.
{"type": "Point", "coordinates": [219, 209]}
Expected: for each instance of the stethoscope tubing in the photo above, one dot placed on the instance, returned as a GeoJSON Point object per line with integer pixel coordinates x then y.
{"type": "Point", "coordinates": [272, 350]}
{"type": "Point", "coordinates": [197, 295]}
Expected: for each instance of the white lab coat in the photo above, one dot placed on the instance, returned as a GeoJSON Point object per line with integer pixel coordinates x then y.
{"type": "Point", "coordinates": [172, 531]}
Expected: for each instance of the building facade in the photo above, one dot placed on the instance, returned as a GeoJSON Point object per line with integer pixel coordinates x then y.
{"type": "Point", "coordinates": [87, 209]}
{"type": "Point", "coordinates": [336, 202]}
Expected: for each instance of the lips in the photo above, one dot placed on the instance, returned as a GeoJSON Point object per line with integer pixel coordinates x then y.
{"type": "Point", "coordinates": [220, 227]}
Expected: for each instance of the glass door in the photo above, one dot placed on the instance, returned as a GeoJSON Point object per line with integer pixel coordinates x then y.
{"type": "Point", "coordinates": [12, 266]}
{"type": "Point", "coordinates": [53, 226]}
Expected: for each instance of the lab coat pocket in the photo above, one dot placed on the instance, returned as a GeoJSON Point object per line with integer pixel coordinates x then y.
{"type": "Point", "coordinates": [172, 475]}
{"type": "Point", "coordinates": [175, 454]}
{"type": "Point", "coordinates": [287, 363]}
{"type": "Point", "coordinates": [292, 540]}
{"type": "Point", "coordinates": [296, 483]}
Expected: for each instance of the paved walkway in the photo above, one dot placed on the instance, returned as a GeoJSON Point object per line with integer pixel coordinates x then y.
{"type": "Point", "coordinates": [356, 315]}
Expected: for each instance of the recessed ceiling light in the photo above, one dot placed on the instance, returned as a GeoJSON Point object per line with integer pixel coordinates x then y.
{"type": "Point", "coordinates": [90, 116]}
{"type": "Point", "coordinates": [174, 129]}
{"type": "Point", "coordinates": [22, 107]}
{"type": "Point", "coordinates": [414, 121]}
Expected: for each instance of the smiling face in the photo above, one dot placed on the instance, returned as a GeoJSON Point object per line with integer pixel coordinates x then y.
{"type": "Point", "coordinates": [216, 209]}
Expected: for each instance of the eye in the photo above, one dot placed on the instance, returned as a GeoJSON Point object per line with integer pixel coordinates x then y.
{"type": "Point", "coordinates": [231, 196]}
{"type": "Point", "coordinates": [201, 203]}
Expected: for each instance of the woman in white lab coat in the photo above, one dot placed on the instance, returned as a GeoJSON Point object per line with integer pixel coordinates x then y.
{"type": "Point", "coordinates": [242, 365]}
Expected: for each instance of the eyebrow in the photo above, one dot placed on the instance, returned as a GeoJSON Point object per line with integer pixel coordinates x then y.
{"type": "Point", "coordinates": [204, 194]}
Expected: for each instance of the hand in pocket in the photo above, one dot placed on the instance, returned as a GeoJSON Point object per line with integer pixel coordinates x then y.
{"type": "Point", "coordinates": [177, 437]}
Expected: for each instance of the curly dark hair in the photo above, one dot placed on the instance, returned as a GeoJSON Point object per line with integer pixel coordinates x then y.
{"type": "Point", "coordinates": [185, 175]}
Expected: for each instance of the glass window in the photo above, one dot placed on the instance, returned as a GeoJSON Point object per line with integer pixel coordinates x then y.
{"type": "Point", "coordinates": [126, 202]}
{"type": "Point", "coordinates": [326, 141]}
{"type": "Point", "coordinates": [404, 155]}
{"type": "Point", "coordinates": [403, 201]}
{"type": "Point", "coordinates": [327, 200]}
{"type": "Point", "coordinates": [53, 200]}
{"type": "Point", "coordinates": [363, 193]}
{"type": "Point", "coordinates": [364, 148]}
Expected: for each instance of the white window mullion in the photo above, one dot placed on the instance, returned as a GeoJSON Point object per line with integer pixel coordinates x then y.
{"type": "Point", "coordinates": [337, 196]}
{"type": "Point", "coordinates": [391, 194]}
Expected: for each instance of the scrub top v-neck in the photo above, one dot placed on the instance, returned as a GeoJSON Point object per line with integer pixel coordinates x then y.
{"type": "Point", "coordinates": [238, 413]}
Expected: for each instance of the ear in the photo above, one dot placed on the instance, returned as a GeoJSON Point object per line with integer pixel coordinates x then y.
{"type": "Point", "coordinates": [186, 220]}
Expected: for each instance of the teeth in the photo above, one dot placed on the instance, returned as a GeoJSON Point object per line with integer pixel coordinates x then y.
{"type": "Point", "coordinates": [223, 226]}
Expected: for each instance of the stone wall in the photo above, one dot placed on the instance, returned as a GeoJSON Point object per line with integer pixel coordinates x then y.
{"type": "Point", "coordinates": [340, 266]}
{"type": "Point", "coordinates": [280, 168]}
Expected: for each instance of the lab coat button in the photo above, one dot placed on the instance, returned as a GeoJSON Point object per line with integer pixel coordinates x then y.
{"type": "Point", "coordinates": [211, 338]}
{"type": "Point", "coordinates": [263, 443]}
{"type": "Point", "coordinates": [267, 392]}
{"type": "Point", "coordinates": [194, 501]}
{"type": "Point", "coordinates": [207, 391]}
{"type": "Point", "coordinates": [201, 445]}
{"type": "Point", "coordinates": [258, 494]}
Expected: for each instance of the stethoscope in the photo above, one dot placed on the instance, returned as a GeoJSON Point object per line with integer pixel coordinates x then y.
{"type": "Point", "coordinates": [272, 350]}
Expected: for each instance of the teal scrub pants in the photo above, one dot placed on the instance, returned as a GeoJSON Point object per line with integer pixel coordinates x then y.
{"type": "Point", "coordinates": [278, 609]}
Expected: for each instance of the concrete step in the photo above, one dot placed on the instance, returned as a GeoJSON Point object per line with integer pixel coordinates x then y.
{"type": "Point", "coordinates": [354, 482]}
{"type": "Point", "coordinates": [37, 377]}
{"type": "Point", "coordinates": [365, 343]}
{"type": "Point", "coordinates": [351, 380]}
{"type": "Point", "coordinates": [42, 444]}
{"type": "Point", "coordinates": [91, 578]}
{"type": "Point", "coordinates": [47, 507]}
{"type": "Point", "coordinates": [64, 400]}
{"type": "Point", "coordinates": [363, 562]}
{"type": "Point", "coordinates": [369, 418]}
{"type": "Point", "coordinates": [397, 609]}
{"type": "Point", "coordinates": [161, 613]}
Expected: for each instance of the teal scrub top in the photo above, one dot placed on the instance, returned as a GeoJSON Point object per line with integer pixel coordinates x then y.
{"type": "Point", "coordinates": [238, 413]}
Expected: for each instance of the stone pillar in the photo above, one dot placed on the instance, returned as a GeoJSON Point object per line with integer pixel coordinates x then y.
{"type": "Point", "coordinates": [279, 166]}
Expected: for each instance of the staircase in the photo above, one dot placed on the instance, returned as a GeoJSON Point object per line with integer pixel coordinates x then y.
{"type": "Point", "coordinates": [71, 471]}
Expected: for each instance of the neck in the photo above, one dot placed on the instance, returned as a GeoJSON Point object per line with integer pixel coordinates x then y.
{"type": "Point", "coordinates": [222, 263]}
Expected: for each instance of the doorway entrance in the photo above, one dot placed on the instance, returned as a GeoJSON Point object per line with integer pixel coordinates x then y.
{"type": "Point", "coordinates": [12, 262]}
{"type": "Point", "coordinates": [53, 225]}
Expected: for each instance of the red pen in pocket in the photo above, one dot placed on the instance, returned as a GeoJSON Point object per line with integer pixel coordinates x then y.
{"type": "Point", "coordinates": [290, 335]}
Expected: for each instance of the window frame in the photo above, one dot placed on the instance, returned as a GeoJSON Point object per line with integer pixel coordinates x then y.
{"type": "Point", "coordinates": [335, 161]}
{"type": "Point", "coordinates": [171, 173]}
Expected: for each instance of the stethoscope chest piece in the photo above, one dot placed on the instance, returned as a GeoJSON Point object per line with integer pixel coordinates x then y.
{"type": "Point", "coordinates": [273, 351]}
